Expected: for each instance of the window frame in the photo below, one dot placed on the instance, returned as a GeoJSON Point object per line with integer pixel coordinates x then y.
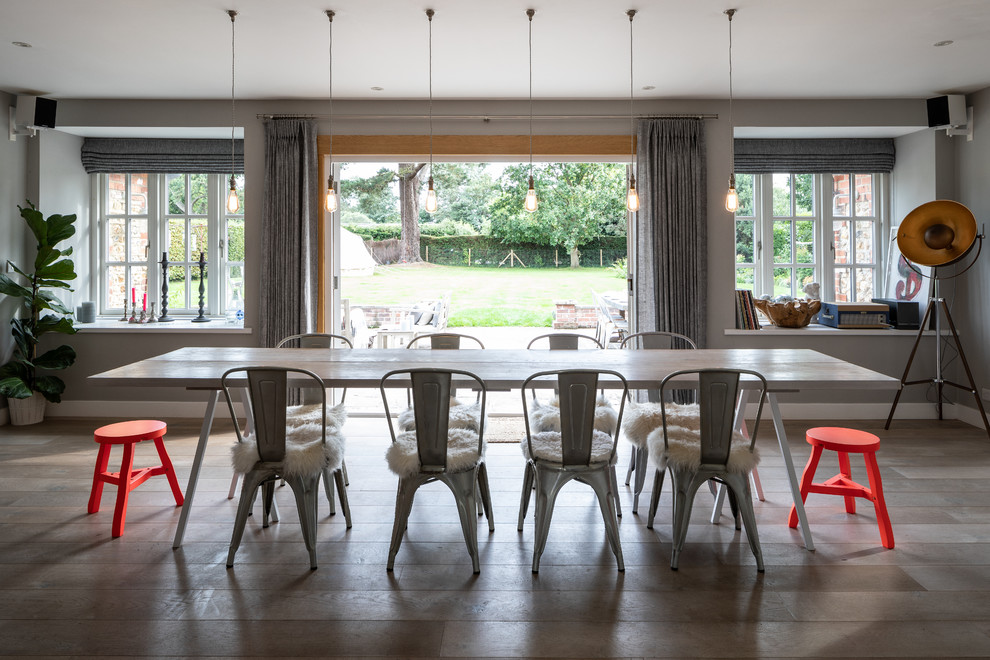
{"type": "Point", "coordinates": [158, 218]}
{"type": "Point", "coordinates": [824, 247]}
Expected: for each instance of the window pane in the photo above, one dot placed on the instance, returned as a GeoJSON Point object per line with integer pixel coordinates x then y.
{"type": "Point", "coordinates": [782, 239]}
{"type": "Point", "coordinates": [805, 276]}
{"type": "Point", "coordinates": [864, 195]}
{"type": "Point", "coordinates": [198, 197]}
{"type": "Point", "coordinates": [744, 243]}
{"type": "Point", "coordinates": [842, 285]}
{"type": "Point", "coordinates": [198, 239]}
{"type": "Point", "coordinates": [744, 278]}
{"type": "Point", "coordinates": [115, 287]}
{"type": "Point", "coordinates": [864, 242]}
{"type": "Point", "coordinates": [804, 246]}
{"type": "Point", "coordinates": [840, 238]}
{"type": "Point", "coordinates": [744, 188]}
{"type": "Point", "coordinates": [139, 282]}
{"type": "Point", "coordinates": [177, 240]}
{"type": "Point", "coordinates": [116, 194]}
{"type": "Point", "coordinates": [840, 195]}
{"type": "Point", "coordinates": [782, 282]}
{"type": "Point", "coordinates": [176, 186]}
{"type": "Point", "coordinates": [235, 239]}
{"type": "Point", "coordinates": [782, 195]}
{"type": "Point", "coordinates": [117, 239]}
{"type": "Point", "coordinates": [138, 240]}
{"type": "Point", "coordinates": [864, 284]}
{"type": "Point", "coordinates": [139, 194]}
{"type": "Point", "coordinates": [804, 194]}
{"type": "Point", "coordinates": [177, 287]}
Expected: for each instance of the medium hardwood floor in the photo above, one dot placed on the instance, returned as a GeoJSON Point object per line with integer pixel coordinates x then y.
{"type": "Point", "coordinates": [69, 590]}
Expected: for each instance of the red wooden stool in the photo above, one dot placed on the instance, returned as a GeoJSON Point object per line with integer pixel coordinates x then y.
{"type": "Point", "coordinates": [129, 434]}
{"type": "Point", "coordinates": [845, 442]}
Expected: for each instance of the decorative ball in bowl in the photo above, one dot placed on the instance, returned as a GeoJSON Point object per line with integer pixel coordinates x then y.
{"type": "Point", "coordinates": [790, 314]}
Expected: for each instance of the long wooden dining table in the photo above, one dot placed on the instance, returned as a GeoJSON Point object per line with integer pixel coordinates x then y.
{"type": "Point", "coordinates": [786, 370]}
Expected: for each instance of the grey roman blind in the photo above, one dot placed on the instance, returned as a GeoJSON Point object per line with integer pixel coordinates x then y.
{"type": "Point", "coordinates": [823, 156]}
{"type": "Point", "coordinates": [160, 156]}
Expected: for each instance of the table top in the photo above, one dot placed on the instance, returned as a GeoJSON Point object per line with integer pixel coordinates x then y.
{"type": "Point", "coordinates": [784, 369]}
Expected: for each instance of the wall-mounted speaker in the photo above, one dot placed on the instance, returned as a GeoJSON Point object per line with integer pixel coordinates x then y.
{"type": "Point", "coordinates": [35, 112]}
{"type": "Point", "coordinates": [947, 111]}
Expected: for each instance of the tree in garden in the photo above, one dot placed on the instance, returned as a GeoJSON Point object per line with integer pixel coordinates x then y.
{"type": "Point", "coordinates": [578, 201]}
{"type": "Point", "coordinates": [466, 190]}
{"type": "Point", "coordinates": [373, 196]}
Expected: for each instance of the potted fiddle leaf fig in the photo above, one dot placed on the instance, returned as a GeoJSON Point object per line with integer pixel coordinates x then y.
{"type": "Point", "coordinates": [25, 380]}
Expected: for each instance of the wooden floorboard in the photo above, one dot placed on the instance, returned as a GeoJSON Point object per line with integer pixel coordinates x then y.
{"type": "Point", "coordinates": [71, 591]}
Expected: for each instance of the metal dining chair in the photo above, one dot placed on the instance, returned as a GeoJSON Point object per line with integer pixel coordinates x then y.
{"type": "Point", "coordinates": [298, 454]}
{"type": "Point", "coordinates": [578, 451]}
{"type": "Point", "coordinates": [440, 447]}
{"type": "Point", "coordinates": [711, 450]}
{"type": "Point", "coordinates": [563, 341]}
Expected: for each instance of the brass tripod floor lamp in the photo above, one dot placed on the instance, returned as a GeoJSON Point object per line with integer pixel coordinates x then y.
{"type": "Point", "coordinates": [937, 234]}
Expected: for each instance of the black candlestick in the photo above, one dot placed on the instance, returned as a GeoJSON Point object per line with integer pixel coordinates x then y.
{"type": "Point", "coordinates": [202, 290]}
{"type": "Point", "coordinates": [164, 318]}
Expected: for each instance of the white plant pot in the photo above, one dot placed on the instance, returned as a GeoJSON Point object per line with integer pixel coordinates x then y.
{"type": "Point", "coordinates": [27, 411]}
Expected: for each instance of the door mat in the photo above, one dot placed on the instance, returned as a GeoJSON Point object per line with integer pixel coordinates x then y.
{"type": "Point", "coordinates": [505, 429]}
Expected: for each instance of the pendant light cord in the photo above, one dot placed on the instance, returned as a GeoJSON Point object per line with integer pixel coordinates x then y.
{"type": "Point", "coordinates": [732, 146]}
{"type": "Point", "coordinates": [632, 154]}
{"type": "Point", "coordinates": [232, 14]}
{"type": "Point", "coordinates": [530, 13]}
{"type": "Point", "coordinates": [429, 16]}
{"type": "Point", "coordinates": [330, 15]}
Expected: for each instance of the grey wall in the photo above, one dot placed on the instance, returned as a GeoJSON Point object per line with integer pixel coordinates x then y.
{"type": "Point", "coordinates": [104, 351]}
{"type": "Point", "coordinates": [13, 234]}
{"type": "Point", "coordinates": [971, 303]}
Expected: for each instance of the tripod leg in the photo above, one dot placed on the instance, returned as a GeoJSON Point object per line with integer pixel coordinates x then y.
{"type": "Point", "coordinates": [907, 367]}
{"type": "Point", "coordinates": [969, 373]}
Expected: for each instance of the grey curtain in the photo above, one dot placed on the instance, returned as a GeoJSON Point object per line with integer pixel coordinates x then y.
{"type": "Point", "coordinates": [671, 251]}
{"type": "Point", "coordinates": [161, 156]}
{"type": "Point", "coordinates": [822, 156]}
{"type": "Point", "coordinates": [290, 219]}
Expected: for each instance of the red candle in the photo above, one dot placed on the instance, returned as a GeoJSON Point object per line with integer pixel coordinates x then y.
{"type": "Point", "coordinates": [144, 302]}
{"type": "Point", "coordinates": [133, 296]}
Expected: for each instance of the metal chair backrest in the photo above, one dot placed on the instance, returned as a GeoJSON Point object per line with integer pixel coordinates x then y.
{"type": "Point", "coordinates": [315, 340]}
{"type": "Point", "coordinates": [656, 340]}
{"type": "Point", "coordinates": [565, 341]}
{"type": "Point", "coordinates": [268, 389]}
{"type": "Point", "coordinates": [718, 393]}
{"type": "Point", "coordinates": [431, 394]}
{"type": "Point", "coordinates": [577, 394]}
{"type": "Point", "coordinates": [445, 341]}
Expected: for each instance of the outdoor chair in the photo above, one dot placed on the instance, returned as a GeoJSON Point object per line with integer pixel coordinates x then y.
{"type": "Point", "coordinates": [704, 448]}
{"type": "Point", "coordinates": [611, 328]}
{"type": "Point", "coordinates": [444, 443]}
{"type": "Point", "coordinates": [277, 448]}
{"type": "Point", "coordinates": [574, 443]}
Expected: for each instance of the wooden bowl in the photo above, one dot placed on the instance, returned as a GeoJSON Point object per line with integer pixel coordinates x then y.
{"type": "Point", "coordinates": [794, 314]}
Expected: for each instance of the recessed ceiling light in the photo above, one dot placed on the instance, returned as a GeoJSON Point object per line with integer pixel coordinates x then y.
{"type": "Point", "coordinates": [378, 89]}
{"type": "Point", "coordinates": [947, 42]}
{"type": "Point", "coordinates": [21, 44]}
{"type": "Point", "coordinates": [649, 87]}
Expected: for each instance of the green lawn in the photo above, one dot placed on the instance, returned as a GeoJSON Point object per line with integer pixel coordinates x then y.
{"type": "Point", "coordinates": [486, 297]}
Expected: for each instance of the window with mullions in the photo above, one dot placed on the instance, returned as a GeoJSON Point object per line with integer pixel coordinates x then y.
{"type": "Point", "coordinates": [795, 229]}
{"type": "Point", "coordinates": [178, 215]}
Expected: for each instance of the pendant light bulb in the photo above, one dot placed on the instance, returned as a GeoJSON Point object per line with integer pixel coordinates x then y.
{"type": "Point", "coordinates": [233, 203]}
{"type": "Point", "coordinates": [731, 197]}
{"type": "Point", "coordinates": [531, 202]}
{"type": "Point", "coordinates": [331, 201]}
{"type": "Point", "coordinates": [632, 198]}
{"type": "Point", "coordinates": [431, 197]}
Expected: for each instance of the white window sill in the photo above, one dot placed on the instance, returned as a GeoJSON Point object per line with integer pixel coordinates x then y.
{"type": "Point", "coordinates": [112, 325]}
{"type": "Point", "coordinates": [824, 330]}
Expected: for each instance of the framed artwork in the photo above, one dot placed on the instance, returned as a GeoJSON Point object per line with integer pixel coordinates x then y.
{"type": "Point", "coordinates": [906, 282]}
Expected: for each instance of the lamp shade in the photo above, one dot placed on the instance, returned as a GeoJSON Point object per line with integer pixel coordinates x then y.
{"type": "Point", "coordinates": [937, 233]}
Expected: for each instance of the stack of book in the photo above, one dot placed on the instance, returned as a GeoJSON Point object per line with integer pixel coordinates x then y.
{"type": "Point", "coordinates": [747, 317]}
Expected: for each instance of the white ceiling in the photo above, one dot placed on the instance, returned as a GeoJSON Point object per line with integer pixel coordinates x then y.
{"type": "Point", "coordinates": [781, 48]}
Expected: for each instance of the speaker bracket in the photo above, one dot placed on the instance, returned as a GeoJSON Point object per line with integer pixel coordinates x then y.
{"type": "Point", "coordinates": [12, 129]}
{"type": "Point", "coordinates": [966, 130]}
